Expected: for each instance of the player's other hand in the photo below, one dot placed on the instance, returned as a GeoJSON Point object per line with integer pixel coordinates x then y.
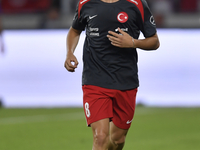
{"type": "Point", "coordinates": [123, 40]}
{"type": "Point", "coordinates": [71, 62]}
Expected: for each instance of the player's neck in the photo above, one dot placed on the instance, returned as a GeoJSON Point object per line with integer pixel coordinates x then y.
{"type": "Point", "coordinates": [109, 1]}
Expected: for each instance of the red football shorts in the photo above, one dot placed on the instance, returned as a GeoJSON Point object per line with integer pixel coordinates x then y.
{"type": "Point", "coordinates": [100, 103]}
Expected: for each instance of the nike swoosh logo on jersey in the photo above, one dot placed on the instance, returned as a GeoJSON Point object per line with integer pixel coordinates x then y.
{"type": "Point", "coordinates": [128, 122]}
{"type": "Point", "coordinates": [91, 17]}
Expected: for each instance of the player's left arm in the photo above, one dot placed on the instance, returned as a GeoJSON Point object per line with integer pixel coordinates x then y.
{"type": "Point", "coordinates": [150, 43]}
{"type": "Point", "coordinates": [124, 40]}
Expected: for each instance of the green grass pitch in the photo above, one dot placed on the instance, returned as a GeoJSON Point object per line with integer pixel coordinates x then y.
{"type": "Point", "coordinates": [65, 129]}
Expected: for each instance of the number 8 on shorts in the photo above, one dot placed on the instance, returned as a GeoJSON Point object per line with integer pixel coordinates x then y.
{"type": "Point", "coordinates": [87, 111]}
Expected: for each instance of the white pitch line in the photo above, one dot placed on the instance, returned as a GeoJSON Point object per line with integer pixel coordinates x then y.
{"type": "Point", "coordinates": [41, 118]}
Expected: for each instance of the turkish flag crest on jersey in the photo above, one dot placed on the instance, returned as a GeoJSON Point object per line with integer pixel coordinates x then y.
{"type": "Point", "coordinates": [122, 17]}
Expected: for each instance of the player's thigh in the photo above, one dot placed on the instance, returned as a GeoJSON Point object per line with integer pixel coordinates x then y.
{"type": "Point", "coordinates": [117, 134]}
{"type": "Point", "coordinates": [101, 127]}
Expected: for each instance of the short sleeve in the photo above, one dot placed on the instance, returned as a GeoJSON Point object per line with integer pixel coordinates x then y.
{"type": "Point", "coordinates": [78, 20]}
{"type": "Point", "coordinates": [148, 27]}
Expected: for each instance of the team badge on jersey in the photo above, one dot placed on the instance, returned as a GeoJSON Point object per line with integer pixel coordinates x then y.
{"type": "Point", "coordinates": [122, 17]}
{"type": "Point", "coordinates": [152, 20]}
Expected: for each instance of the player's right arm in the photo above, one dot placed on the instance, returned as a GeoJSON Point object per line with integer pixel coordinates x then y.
{"type": "Point", "coordinates": [71, 61]}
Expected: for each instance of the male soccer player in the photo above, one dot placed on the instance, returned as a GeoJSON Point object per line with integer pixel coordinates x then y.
{"type": "Point", "coordinates": [110, 73]}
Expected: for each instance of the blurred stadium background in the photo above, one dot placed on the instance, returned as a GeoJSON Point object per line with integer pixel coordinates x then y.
{"type": "Point", "coordinates": [33, 77]}
{"type": "Point", "coordinates": [56, 14]}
